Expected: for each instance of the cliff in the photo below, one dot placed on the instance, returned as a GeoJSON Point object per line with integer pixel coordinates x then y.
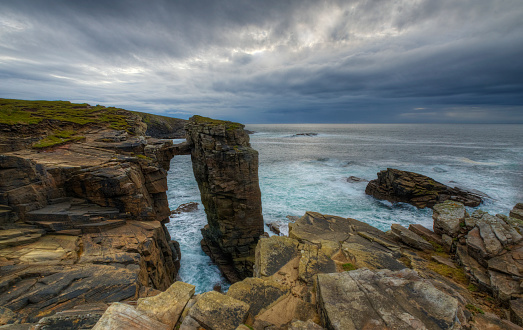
{"type": "Point", "coordinates": [82, 208]}
{"type": "Point", "coordinates": [226, 169]}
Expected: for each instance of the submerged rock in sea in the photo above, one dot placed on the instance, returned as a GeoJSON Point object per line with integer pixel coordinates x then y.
{"type": "Point", "coordinates": [305, 134]}
{"type": "Point", "coordinates": [416, 189]}
{"type": "Point", "coordinates": [226, 169]}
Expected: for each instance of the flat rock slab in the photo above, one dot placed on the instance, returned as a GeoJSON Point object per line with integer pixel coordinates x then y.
{"type": "Point", "coordinates": [124, 317]}
{"type": "Point", "coordinates": [369, 254]}
{"type": "Point", "coordinates": [316, 228]}
{"type": "Point", "coordinates": [216, 311]}
{"type": "Point", "coordinates": [363, 299]}
{"type": "Point", "coordinates": [72, 211]}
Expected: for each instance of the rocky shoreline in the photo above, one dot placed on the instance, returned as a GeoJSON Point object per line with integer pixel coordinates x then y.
{"type": "Point", "coordinates": [83, 243]}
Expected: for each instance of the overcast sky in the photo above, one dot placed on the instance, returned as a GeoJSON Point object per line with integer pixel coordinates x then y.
{"type": "Point", "coordinates": [270, 61]}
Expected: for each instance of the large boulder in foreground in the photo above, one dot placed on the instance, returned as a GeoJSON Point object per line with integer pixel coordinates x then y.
{"type": "Point", "coordinates": [226, 169]}
{"type": "Point", "coordinates": [416, 189]}
{"type": "Point", "coordinates": [363, 299]}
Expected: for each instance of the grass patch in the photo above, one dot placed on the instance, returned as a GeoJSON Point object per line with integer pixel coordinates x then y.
{"type": "Point", "coordinates": [348, 267]}
{"type": "Point", "coordinates": [472, 288]}
{"type": "Point", "coordinates": [24, 112]}
{"type": "Point", "coordinates": [455, 273]}
{"type": "Point", "coordinates": [144, 157]}
{"type": "Point", "coordinates": [474, 309]}
{"type": "Point", "coordinates": [229, 125]}
{"type": "Point", "coordinates": [58, 138]}
{"type": "Point", "coordinates": [437, 248]}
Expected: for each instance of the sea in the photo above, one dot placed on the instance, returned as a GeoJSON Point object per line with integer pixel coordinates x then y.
{"type": "Point", "coordinates": [308, 172]}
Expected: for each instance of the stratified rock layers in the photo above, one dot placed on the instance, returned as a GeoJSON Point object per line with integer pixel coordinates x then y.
{"type": "Point", "coordinates": [226, 169]}
{"type": "Point", "coordinates": [416, 189]}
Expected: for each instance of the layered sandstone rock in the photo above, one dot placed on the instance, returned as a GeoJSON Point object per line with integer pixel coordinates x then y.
{"type": "Point", "coordinates": [82, 223]}
{"type": "Point", "coordinates": [226, 169]}
{"type": "Point", "coordinates": [416, 189]}
{"type": "Point", "coordinates": [340, 273]}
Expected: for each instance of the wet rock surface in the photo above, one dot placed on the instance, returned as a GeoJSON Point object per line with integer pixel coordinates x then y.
{"type": "Point", "coordinates": [226, 169]}
{"type": "Point", "coordinates": [416, 189]}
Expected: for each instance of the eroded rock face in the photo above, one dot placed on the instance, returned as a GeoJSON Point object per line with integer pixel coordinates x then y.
{"type": "Point", "coordinates": [416, 189]}
{"type": "Point", "coordinates": [226, 169]}
{"type": "Point", "coordinates": [58, 272]}
{"type": "Point", "coordinates": [82, 223]}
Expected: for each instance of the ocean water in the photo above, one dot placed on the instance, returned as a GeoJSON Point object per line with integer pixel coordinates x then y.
{"type": "Point", "coordinates": [309, 173]}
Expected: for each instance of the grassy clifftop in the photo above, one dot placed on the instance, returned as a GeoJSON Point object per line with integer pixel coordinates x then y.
{"type": "Point", "coordinates": [23, 112]}
{"type": "Point", "coordinates": [13, 112]}
{"type": "Point", "coordinates": [43, 124]}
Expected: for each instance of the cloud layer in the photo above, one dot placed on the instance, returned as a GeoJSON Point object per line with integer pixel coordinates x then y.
{"type": "Point", "coordinates": [272, 61]}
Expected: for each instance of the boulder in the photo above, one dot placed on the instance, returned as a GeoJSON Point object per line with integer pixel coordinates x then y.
{"type": "Point", "coordinates": [226, 169]}
{"type": "Point", "coordinates": [410, 238]}
{"type": "Point", "coordinates": [517, 212]}
{"type": "Point", "coordinates": [416, 189]}
{"type": "Point", "coordinates": [257, 293]}
{"type": "Point", "coordinates": [216, 311]}
{"type": "Point", "coordinates": [449, 217]}
{"type": "Point", "coordinates": [314, 261]}
{"type": "Point", "coordinates": [167, 306]}
{"type": "Point", "coordinates": [273, 253]}
{"type": "Point", "coordinates": [354, 179]}
{"type": "Point", "coordinates": [186, 207]}
{"type": "Point", "coordinates": [363, 299]}
{"type": "Point", "coordinates": [125, 317]}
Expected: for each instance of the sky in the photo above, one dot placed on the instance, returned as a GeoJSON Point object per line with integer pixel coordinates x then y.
{"type": "Point", "coordinates": [374, 61]}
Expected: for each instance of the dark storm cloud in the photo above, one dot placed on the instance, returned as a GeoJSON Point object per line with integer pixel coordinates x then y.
{"type": "Point", "coordinates": [272, 61]}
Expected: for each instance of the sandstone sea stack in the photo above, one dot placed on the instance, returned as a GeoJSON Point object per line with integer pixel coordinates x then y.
{"type": "Point", "coordinates": [226, 169]}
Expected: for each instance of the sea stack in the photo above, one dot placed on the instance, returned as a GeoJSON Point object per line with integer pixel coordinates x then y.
{"type": "Point", "coordinates": [226, 169]}
{"type": "Point", "coordinates": [417, 189]}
